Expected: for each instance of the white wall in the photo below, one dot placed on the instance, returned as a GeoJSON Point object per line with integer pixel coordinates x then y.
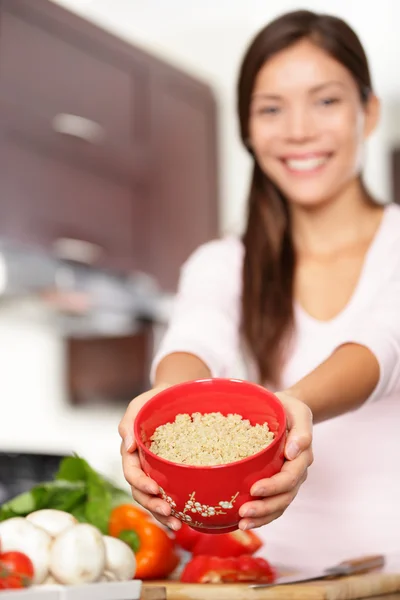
{"type": "Point", "coordinates": [35, 414]}
{"type": "Point", "coordinates": [208, 39]}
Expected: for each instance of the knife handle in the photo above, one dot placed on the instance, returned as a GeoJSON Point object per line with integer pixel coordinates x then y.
{"type": "Point", "coordinates": [363, 564]}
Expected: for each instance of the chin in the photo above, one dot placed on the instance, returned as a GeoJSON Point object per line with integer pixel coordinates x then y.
{"type": "Point", "coordinates": [309, 203]}
{"type": "Point", "coordinates": [311, 196]}
{"type": "Point", "coordinates": [311, 200]}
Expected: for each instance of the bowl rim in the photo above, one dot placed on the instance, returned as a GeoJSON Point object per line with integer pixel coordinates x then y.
{"type": "Point", "coordinates": [183, 466]}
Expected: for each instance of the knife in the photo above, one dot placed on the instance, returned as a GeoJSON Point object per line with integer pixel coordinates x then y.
{"type": "Point", "coordinates": [347, 567]}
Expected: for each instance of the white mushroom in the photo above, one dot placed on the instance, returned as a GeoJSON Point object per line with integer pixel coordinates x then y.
{"type": "Point", "coordinates": [50, 580]}
{"type": "Point", "coordinates": [51, 520]}
{"type": "Point", "coordinates": [78, 555]}
{"type": "Point", "coordinates": [22, 536]}
{"type": "Point", "coordinates": [120, 560]}
{"type": "Point", "coordinates": [108, 576]}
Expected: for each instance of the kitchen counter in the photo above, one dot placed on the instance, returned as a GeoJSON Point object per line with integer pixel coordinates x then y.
{"type": "Point", "coordinates": [159, 593]}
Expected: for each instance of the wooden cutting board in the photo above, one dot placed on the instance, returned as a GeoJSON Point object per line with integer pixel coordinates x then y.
{"type": "Point", "coordinates": [345, 588]}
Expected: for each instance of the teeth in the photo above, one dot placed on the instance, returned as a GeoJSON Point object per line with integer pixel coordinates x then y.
{"type": "Point", "coordinates": [306, 164]}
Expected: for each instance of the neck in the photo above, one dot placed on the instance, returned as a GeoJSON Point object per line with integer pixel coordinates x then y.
{"type": "Point", "coordinates": [345, 220]}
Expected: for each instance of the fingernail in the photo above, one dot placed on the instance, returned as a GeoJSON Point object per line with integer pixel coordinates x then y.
{"type": "Point", "coordinates": [174, 526]}
{"type": "Point", "coordinates": [150, 489]}
{"type": "Point", "coordinates": [292, 450]}
{"type": "Point", "coordinates": [161, 510]}
{"type": "Point", "coordinates": [259, 492]}
{"type": "Point", "coordinates": [128, 441]}
{"type": "Point", "coordinates": [247, 526]}
{"type": "Point", "coordinates": [250, 512]}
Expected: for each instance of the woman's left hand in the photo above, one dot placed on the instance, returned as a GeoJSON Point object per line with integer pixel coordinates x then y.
{"type": "Point", "coordinates": [279, 491]}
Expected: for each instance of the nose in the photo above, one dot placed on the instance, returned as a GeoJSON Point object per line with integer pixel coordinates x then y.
{"type": "Point", "coordinates": [300, 125]}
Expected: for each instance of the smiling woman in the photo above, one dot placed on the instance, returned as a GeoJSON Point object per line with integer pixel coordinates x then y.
{"type": "Point", "coordinates": [304, 115]}
{"type": "Point", "coordinates": [303, 123]}
{"type": "Point", "coordinates": [308, 299]}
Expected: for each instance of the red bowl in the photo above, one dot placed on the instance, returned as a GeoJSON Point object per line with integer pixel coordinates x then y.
{"type": "Point", "coordinates": [208, 498]}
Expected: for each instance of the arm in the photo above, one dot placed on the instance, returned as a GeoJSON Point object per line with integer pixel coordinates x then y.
{"type": "Point", "coordinates": [179, 367]}
{"type": "Point", "coordinates": [340, 384]}
{"type": "Point", "coordinates": [201, 341]}
{"type": "Point", "coordinates": [343, 382]}
{"type": "Point", "coordinates": [367, 365]}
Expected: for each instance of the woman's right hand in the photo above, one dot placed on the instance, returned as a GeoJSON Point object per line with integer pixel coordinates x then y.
{"type": "Point", "coordinates": [144, 490]}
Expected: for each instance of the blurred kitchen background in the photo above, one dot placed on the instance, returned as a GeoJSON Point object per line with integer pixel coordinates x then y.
{"type": "Point", "coordinates": [119, 154]}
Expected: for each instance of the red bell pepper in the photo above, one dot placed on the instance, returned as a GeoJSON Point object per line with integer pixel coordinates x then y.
{"type": "Point", "coordinates": [223, 545]}
{"type": "Point", "coordinates": [240, 569]}
{"type": "Point", "coordinates": [186, 537]}
{"type": "Point", "coordinates": [234, 543]}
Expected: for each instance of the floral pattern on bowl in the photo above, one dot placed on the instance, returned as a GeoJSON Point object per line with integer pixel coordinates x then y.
{"type": "Point", "coordinates": [195, 507]}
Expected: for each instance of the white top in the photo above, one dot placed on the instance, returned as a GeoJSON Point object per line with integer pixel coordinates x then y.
{"type": "Point", "coordinates": [350, 503]}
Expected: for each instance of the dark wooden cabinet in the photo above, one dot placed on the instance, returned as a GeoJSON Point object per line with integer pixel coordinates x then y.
{"type": "Point", "coordinates": [57, 76]}
{"type": "Point", "coordinates": [183, 192]}
{"type": "Point", "coordinates": [101, 144]}
{"type": "Point", "coordinates": [114, 369]}
{"type": "Point", "coordinates": [51, 201]}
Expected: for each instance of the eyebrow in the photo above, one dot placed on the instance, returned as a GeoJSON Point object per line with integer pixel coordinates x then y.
{"type": "Point", "coordinates": [313, 90]}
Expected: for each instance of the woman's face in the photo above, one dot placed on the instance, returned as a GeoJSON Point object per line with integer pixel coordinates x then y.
{"type": "Point", "coordinates": [308, 124]}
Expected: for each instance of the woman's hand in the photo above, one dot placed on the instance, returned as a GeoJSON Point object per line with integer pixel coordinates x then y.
{"type": "Point", "coordinates": [281, 489]}
{"type": "Point", "coordinates": [144, 490]}
{"type": "Point", "coordinates": [277, 491]}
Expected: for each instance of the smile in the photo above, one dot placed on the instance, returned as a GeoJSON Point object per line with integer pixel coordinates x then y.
{"type": "Point", "coordinates": [306, 164]}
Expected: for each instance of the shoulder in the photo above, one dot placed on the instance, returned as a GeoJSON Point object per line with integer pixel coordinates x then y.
{"type": "Point", "coordinates": [393, 210]}
{"type": "Point", "coordinates": [387, 246]}
{"type": "Point", "coordinates": [214, 267]}
{"type": "Point", "coordinates": [226, 253]}
{"type": "Point", "coordinates": [382, 264]}
{"type": "Point", "coordinates": [391, 224]}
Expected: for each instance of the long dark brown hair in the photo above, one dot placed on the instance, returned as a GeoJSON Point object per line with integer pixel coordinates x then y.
{"type": "Point", "coordinates": [269, 264]}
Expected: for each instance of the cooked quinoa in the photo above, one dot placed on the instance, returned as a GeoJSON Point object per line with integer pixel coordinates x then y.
{"type": "Point", "coordinates": [209, 439]}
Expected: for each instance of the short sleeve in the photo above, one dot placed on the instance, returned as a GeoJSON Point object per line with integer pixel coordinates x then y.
{"type": "Point", "coordinates": [205, 318]}
{"type": "Point", "coordinates": [378, 328]}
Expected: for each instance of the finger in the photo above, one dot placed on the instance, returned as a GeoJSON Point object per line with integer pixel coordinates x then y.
{"type": "Point", "coordinates": [300, 424]}
{"type": "Point", "coordinates": [274, 504]}
{"type": "Point", "coordinates": [263, 508]}
{"type": "Point", "coordinates": [145, 491]}
{"type": "Point", "coordinates": [172, 523]}
{"type": "Point", "coordinates": [167, 521]}
{"type": "Point", "coordinates": [287, 479]}
{"type": "Point", "coordinates": [125, 427]}
{"type": "Point", "coordinates": [135, 476]}
{"type": "Point", "coordinates": [245, 524]}
{"type": "Point", "coordinates": [160, 509]}
{"type": "Point", "coordinates": [152, 503]}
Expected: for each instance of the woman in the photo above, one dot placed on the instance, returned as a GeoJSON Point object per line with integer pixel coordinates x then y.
{"type": "Point", "coordinates": [310, 297]}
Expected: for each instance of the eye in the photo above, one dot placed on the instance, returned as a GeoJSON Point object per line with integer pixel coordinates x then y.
{"type": "Point", "coordinates": [328, 101]}
{"type": "Point", "coordinates": [268, 110]}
